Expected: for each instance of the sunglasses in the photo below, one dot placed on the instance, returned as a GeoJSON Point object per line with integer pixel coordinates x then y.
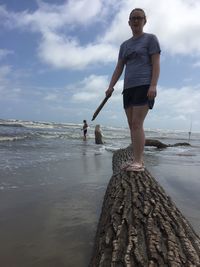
{"type": "Point", "coordinates": [136, 18]}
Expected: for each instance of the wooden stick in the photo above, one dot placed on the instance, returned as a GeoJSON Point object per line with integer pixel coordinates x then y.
{"type": "Point", "coordinates": [100, 107]}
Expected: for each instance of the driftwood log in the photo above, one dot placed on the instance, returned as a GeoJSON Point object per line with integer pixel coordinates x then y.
{"type": "Point", "coordinates": [158, 144]}
{"type": "Point", "coordinates": [140, 225]}
{"type": "Point", "coordinates": [98, 135]}
{"type": "Point", "coordinates": [98, 138]}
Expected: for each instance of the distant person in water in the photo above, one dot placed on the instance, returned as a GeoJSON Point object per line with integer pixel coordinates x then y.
{"type": "Point", "coordinates": [98, 135]}
{"type": "Point", "coordinates": [85, 126]}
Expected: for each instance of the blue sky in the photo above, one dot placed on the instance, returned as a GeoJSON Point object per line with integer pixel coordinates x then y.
{"type": "Point", "coordinates": [57, 57]}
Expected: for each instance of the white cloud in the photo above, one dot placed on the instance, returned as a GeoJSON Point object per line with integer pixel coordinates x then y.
{"type": "Point", "coordinates": [196, 64]}
{"type": "Point", "coordinates": [175, 107]}
{"type": "Point", "coordinates": [62, 44]}
{"type": "Point", "coordinates": [68, 53]}
{"type": "Point", "coordinates": [90, 88]}
{"type": "Point", "coordinates": [51, 97]}
{"type": "Point", "coordinates": [5, 71]}
{"type": "Point", "coordinates": [182, 101]}
{"type": "Point", "coordinates": [52, 17]}
{"type": "Point", "coordinates": [84, 96]}
{"type": "Point", "coordinates": [93, 88]}
{"type": "Point", "coordinates": [4, 53]}
{"type": "Point", "coordinates": [4, 78]}
{"type": "Point", "coordinates": [176, 22]}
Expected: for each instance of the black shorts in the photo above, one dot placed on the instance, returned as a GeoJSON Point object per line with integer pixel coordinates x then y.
{"type": "Point", "coordinates": [137, 96]}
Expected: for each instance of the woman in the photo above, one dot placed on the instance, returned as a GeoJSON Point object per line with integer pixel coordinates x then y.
{"type": "Point", "coordinates": [141, 57]}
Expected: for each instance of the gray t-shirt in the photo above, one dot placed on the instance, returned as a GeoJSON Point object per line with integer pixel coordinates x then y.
{"type": "Point", "coordinates": [136, 53]}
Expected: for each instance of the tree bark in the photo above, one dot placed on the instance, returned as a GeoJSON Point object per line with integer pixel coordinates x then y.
{"type": "Point", "coordinates": [158, 144]}
{"type": "Point", "coordinates": [98, 137]}
{"type": "Point", "coordinates": [140, 225]}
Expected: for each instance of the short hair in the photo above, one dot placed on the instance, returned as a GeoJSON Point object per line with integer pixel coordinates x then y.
{"type": "Point", "coordinates": [138, 9]}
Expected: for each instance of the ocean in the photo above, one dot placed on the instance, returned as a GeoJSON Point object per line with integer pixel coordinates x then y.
{"type": "Point", "coordinates": [52, 185]}
{"type": "Point", "coordinates": [24, 143]}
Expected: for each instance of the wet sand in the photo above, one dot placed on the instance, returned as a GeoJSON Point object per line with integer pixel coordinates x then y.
{"type": "Point", "coordinates": [182, 184]}
{"type": "Point", "coordinates": [50, 218]}
{"type": "Point", "coordinates": [49, 214]}
{"type": "Point", "coordinates": [181, 181]}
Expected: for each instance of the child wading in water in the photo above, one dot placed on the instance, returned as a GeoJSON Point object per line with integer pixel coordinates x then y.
{"type": "Point", "coordinates": [85, 126]}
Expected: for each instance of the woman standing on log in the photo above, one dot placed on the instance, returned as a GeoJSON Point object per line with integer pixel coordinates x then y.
{"type": "Point", "coordinates": [141, 57]}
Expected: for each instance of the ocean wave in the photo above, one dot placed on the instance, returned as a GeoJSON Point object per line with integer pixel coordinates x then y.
{"type": "Point", "coordinates": [15, 130]}
{"type": "Point", "coordinates": [11, 125]}
{"type": "Point", "coordinates": [12, 138]}
{"type": "Point", "coordinates": [39, 136]}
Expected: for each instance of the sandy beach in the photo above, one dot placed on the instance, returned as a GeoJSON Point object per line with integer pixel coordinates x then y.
{"type": "Point", "coordinates": [51, 219]}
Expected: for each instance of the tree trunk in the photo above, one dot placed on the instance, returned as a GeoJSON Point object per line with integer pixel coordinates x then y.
{"type": "Point", "coordinates": [140, 225]}
{"type": "Point", "coordinates": [98, 137]}
{"type": "Point", "coordinates": [158, 144]}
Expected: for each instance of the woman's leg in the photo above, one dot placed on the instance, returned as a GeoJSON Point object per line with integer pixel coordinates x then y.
{"type": "Point", "coordinates": [135, 116]}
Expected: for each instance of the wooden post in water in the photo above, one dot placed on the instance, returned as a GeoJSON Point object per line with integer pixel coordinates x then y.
{"type": "Point", "coordinates": [190, 131]}
{"type": "Point", "coordinates": [140, 225]}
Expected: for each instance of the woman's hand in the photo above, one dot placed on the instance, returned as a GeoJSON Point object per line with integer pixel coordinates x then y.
{"type": "Point", "coordinates": [109, 91]}
{"type": "Point", "coordinates": [152, 92]}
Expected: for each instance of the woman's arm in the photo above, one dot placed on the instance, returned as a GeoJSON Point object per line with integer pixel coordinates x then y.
{"type": "Point", "coordinates": [155, 59]}
{"type": "Point", "coordinates": [115, 77]}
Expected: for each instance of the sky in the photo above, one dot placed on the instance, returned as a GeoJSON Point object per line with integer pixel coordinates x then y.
{"type": "Point", "coordinates": [57, 58]}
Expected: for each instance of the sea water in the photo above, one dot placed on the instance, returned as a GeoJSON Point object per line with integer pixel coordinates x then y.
{"type": "Point", "coordinates": [31, 144]}
{"type": "Point", "coordinates": [52, 185]}
{"type": "Point", "coordinates": [24, 143]}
